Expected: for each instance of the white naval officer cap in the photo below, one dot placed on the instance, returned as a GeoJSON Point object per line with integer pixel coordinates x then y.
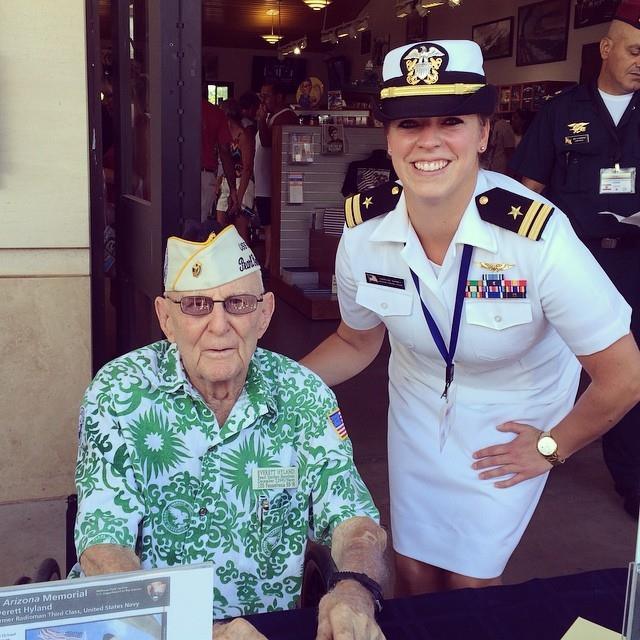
{"type": "Point", "coordinates": [434, 78]}
{"type": "Point", "coordinates": [196, 266]}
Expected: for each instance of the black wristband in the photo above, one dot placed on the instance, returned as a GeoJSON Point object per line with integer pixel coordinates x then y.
{"type": "Point", "coordinates": [368, 583]}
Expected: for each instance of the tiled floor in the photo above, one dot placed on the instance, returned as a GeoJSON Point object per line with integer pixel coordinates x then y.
{"type": "Point", "coordinates": [579, 524]}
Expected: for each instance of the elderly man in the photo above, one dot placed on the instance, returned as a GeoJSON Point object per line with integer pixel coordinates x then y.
{"type": "Point", "coordinates": [219, 451]}
{"type": "Point", "coordinates": [582, 152]}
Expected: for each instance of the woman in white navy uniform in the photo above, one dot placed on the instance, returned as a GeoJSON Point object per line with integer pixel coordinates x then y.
{"type": "Point", "coordinates": [492, 306]}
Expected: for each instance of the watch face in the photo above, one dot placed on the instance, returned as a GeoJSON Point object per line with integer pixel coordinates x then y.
{"type": "Point", "coordinates": [547, 446]}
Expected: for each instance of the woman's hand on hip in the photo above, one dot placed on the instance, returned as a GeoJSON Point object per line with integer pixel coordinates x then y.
{"type": "Point", "coordinates": [520, 457]}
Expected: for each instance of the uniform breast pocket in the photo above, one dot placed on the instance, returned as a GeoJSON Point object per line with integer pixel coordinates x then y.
{"type": "Point", "coordinates": [499, 329]}
{"type": "Point", "coordinates": [582, 163]}
{"type": "Point", "coordinates": [385, 301]}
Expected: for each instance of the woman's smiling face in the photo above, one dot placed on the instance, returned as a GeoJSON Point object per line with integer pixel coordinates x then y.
{"type": "Point", "coordinates": [436, 158]}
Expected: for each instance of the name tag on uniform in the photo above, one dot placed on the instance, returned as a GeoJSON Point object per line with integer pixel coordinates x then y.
{"type": "Point", "coordinates": [384, 281]}
{"type": "Point", "coordinates": [617, 180]}
{"type": "Point", "coordinates": [274, 477]}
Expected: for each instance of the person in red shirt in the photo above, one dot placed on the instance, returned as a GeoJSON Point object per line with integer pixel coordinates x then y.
{"type": "Point", "coordinates": [215, 141]}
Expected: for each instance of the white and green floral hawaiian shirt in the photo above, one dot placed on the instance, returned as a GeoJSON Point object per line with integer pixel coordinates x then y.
{"type": "Point", "coordinates": [155, 471]}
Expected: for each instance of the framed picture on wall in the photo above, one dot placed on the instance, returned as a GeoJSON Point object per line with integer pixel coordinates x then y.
{"type": "Point", "coordinates": [590, 12]}
{"type": "Point", "coordinates": [332, 141]}
{"type": "Point", "coordinates": [542, 32]}
{"type": "Point", "coordinates": [494, 38]}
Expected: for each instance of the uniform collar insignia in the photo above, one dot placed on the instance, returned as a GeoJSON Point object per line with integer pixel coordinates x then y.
{"type": "Point", "coordinates": [421, 64]}
{"type": "Point", "coordinates": [577, 127]}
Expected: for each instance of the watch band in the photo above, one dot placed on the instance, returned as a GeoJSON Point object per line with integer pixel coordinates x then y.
{"type": "Point", "coordinates": [368, 583]}
{"type": "Point", "coordinates": [555, 459]}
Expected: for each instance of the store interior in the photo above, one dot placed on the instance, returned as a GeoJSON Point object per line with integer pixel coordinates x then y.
{"type": "Point", "coordinates": [579, 524]}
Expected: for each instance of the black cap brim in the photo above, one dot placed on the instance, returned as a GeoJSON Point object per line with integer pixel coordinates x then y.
{"type": "Point", "coordinates": [482, 101]}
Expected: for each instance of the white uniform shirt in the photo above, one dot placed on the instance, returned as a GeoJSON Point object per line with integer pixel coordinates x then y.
{"type": "Point", "coordinates": [513, 361]}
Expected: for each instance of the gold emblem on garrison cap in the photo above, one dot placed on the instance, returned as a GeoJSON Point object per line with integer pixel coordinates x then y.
{"type": "Point", "coordinates": [577, 127]}
{"type": "Point", "coordinates": [196, 266]}
{"type": "Point", "coordinates": [422, 64]}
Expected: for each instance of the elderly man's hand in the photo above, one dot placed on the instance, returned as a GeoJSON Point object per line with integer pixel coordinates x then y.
{"type": "Point", "coordinates": [347, 613]}
{"type": "Point", "coordinates": [237, 629]}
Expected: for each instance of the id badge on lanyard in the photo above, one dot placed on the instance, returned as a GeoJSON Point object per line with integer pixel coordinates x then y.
{"type": "Point", "coordinates": [447, 404]}
{"type": "Point", "coordinates": [618, 180]}
{"type": "Point", "coordinates": [447, 415]}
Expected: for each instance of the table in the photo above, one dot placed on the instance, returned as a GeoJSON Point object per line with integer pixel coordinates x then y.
{"type": "Point", "coordinates": [541, 609]}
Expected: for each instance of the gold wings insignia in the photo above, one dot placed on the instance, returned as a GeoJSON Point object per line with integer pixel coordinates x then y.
{"type": "Point", "coordinates": [495, 267]}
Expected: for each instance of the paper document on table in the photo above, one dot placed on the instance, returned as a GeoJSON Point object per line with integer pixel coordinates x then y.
{"type": "Point", "coordinates": [160, 604]}
{"type": "Point", "coordinates": [582, 629]}
{"type": "Point", "coordinates": [633, 219]}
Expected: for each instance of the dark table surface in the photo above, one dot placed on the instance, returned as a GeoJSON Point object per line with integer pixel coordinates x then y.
{"type": "Point", "coordinates": [541, 609]}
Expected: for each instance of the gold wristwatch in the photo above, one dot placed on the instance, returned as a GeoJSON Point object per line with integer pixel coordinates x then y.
{"type": "Point", "coordinates": [548, 448]}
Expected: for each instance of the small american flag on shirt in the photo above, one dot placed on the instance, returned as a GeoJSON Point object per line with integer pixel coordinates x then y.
{"type": "Point", "coordinates": [338, 424]}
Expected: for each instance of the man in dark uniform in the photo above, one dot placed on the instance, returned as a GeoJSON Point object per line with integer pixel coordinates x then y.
{"type": "Point", "coordinates": [583, 150]}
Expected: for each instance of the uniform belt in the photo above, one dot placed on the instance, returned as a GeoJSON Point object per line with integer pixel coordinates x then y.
{"type": "Point", "coordinates": [625, 242]}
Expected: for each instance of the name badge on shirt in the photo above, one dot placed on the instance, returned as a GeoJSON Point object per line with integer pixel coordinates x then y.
{"type": "Point", "coordinates": [618, 180]}
{"type": "Point", "coordinates": [274, 477]}
{"type": "Point", "coordinates": [384, 281]}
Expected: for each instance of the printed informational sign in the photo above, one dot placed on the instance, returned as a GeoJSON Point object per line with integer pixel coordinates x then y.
{"type": "Point", "coordinates": [163, 604]}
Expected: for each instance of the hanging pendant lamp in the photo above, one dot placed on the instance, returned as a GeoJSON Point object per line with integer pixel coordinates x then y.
{"type": "Point", "coordinates": [272, 38]}
{"type": "Point", "coordinates": [317, 5]}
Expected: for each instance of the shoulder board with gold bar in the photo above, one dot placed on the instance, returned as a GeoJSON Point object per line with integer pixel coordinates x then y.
{"type": "Point", "coordinates": [371, 203]}
{"type": "Point", "coordinates": [514, 212]}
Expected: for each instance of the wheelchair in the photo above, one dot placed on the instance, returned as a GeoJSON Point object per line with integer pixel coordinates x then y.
{"type": "Point", "coordinates": [317, 570]}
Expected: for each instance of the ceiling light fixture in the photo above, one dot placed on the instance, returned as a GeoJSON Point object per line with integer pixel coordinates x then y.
{"type": "Point", "coordinates": [317, 5]}
{"type": "Point", "coordinates": [296, 47]}
{"type": "Point", "coordinates": [403, 8]}
{"type": "Point", "coordinates": [327, 36]}
{"type": "Point", "coordinates": [272, 38]}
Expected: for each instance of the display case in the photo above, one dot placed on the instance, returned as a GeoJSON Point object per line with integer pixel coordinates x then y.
{"type": "Point", "coordinates": [305, 234]}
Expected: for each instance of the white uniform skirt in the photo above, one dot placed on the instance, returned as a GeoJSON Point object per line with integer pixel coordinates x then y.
{"type": "Point", "coordinates": [441, 512]}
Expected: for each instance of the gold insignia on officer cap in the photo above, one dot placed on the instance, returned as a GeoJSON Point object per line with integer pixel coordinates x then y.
{"type": "Point", "coordinates": [371, 203]}
{"type": "Point", "coordinates": [196, 266]}
{"type": "Point", "coordinates": [422, 64]}
{"type": "Point", "coordinates": [524, 216]}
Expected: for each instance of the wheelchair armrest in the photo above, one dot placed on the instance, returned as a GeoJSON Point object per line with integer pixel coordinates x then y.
{"type": "Point", "coordinates": [318, 567]}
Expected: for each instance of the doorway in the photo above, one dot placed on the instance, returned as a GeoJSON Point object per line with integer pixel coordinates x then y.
{"type": "Point", "coordinates": [144, 75]}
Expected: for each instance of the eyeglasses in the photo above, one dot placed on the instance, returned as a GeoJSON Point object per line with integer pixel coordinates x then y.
{"type": "Point", "coordinates": [238, 305]}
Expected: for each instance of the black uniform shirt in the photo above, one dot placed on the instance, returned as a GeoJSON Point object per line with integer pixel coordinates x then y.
{"type": "Point", "coordinates": [567, 144]}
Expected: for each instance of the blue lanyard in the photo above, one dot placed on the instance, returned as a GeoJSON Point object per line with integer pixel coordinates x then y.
{"type": "Point", "coordinates": [448, 354]}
